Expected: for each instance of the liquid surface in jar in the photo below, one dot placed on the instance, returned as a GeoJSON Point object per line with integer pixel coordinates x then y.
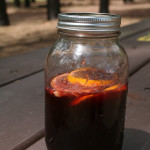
{"type": "Point", "coordinates": [85, 110]}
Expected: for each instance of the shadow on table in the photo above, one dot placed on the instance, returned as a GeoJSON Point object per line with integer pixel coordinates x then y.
{"type": "Point", "coordinates": [136, 140]}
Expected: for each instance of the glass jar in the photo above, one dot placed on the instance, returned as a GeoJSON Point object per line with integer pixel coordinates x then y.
{"type": "Point", "coordinates": [86, 77]}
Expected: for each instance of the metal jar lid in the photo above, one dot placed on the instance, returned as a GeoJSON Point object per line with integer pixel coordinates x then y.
{"type": "Point", "coordinates": [89, 22]}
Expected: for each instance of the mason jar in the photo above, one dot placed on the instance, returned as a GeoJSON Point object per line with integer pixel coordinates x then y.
{"type": "Point", "coordinates": [86, 82]}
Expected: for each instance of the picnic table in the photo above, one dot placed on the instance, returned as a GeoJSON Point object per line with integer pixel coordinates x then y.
{"type": "Point", "coordinates": [22, 95]}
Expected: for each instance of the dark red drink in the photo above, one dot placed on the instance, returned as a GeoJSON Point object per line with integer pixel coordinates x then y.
{"type": "Point", "coordinates": [79, 117]}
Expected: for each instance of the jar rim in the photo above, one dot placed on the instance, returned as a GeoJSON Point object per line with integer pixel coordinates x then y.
{"type": "Point", "coordinates": [89, 22]}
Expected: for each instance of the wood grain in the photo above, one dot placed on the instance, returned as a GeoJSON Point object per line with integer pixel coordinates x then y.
{"type": "Point", "coordinates": [137, 133]}
{"type": "Point", "coordinates": [133, 29]}
{"type": "Point", "coordinates": [138, 52]}
{"type": "Point", "coordinates": [138, 115]}
{"type": "Point", "coordinates": [39, 145]}
{"type": "Point", "coordinates": [23, 65]}
{"type": "Point", "coordinates": [21, 112]}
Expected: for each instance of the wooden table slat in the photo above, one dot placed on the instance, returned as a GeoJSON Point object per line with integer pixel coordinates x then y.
{"type": "Point", "coordinates": [39, 145]}
{"type": "Point", "coordinates": [138, 51]}
{"type": "Point", "coordinates": [133, 29]}
{"type": "Point", "coordinates": [21, 111]}
{"type": "Point", "coordinates": [22, 65]}
{"type": "Point", "coordinates": [137, 133]}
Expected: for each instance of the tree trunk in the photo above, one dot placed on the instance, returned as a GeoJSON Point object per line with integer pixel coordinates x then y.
{"type": "Point", "coordinates": [27, 3]}
{"type": "Point", "coordinates": [17, 3]}
{"type": "Point", "coordinates": [104, 6]}
{"type": "Point", "coordinates": [125, 1]}
{"type": "Point", "coordinates": [3, 14]}
{"type": "Point", "coordinates": [53, 9]}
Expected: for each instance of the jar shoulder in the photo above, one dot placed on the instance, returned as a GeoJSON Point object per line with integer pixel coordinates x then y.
{"type": "Point", "coordinates": [63, 45]}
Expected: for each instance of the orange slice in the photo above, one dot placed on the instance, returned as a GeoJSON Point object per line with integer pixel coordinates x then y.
{"type": "Point", "coordinates": [80, 99]}
{"type": "Point", "coordinates": [89, 77]}
{"type": "Point", "coordinates": [83, 81]}
{"type": "Point", "coordinates": [112, 87]}
{"type": "Point", "coordinates": [117, 87]}
{"type": "Point", "coordinates": [62, 87]}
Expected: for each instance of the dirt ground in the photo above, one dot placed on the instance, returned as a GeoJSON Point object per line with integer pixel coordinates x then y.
{"type": "Point", "coordinates": [30, 30]}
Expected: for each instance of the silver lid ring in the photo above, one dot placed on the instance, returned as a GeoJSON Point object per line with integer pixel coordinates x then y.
{"type": "Point", "coordinates": [96, 22]}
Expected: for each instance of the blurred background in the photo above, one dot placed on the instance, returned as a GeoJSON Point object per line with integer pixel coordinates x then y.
{"type": "Point", "coordinates": [27, 25]}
